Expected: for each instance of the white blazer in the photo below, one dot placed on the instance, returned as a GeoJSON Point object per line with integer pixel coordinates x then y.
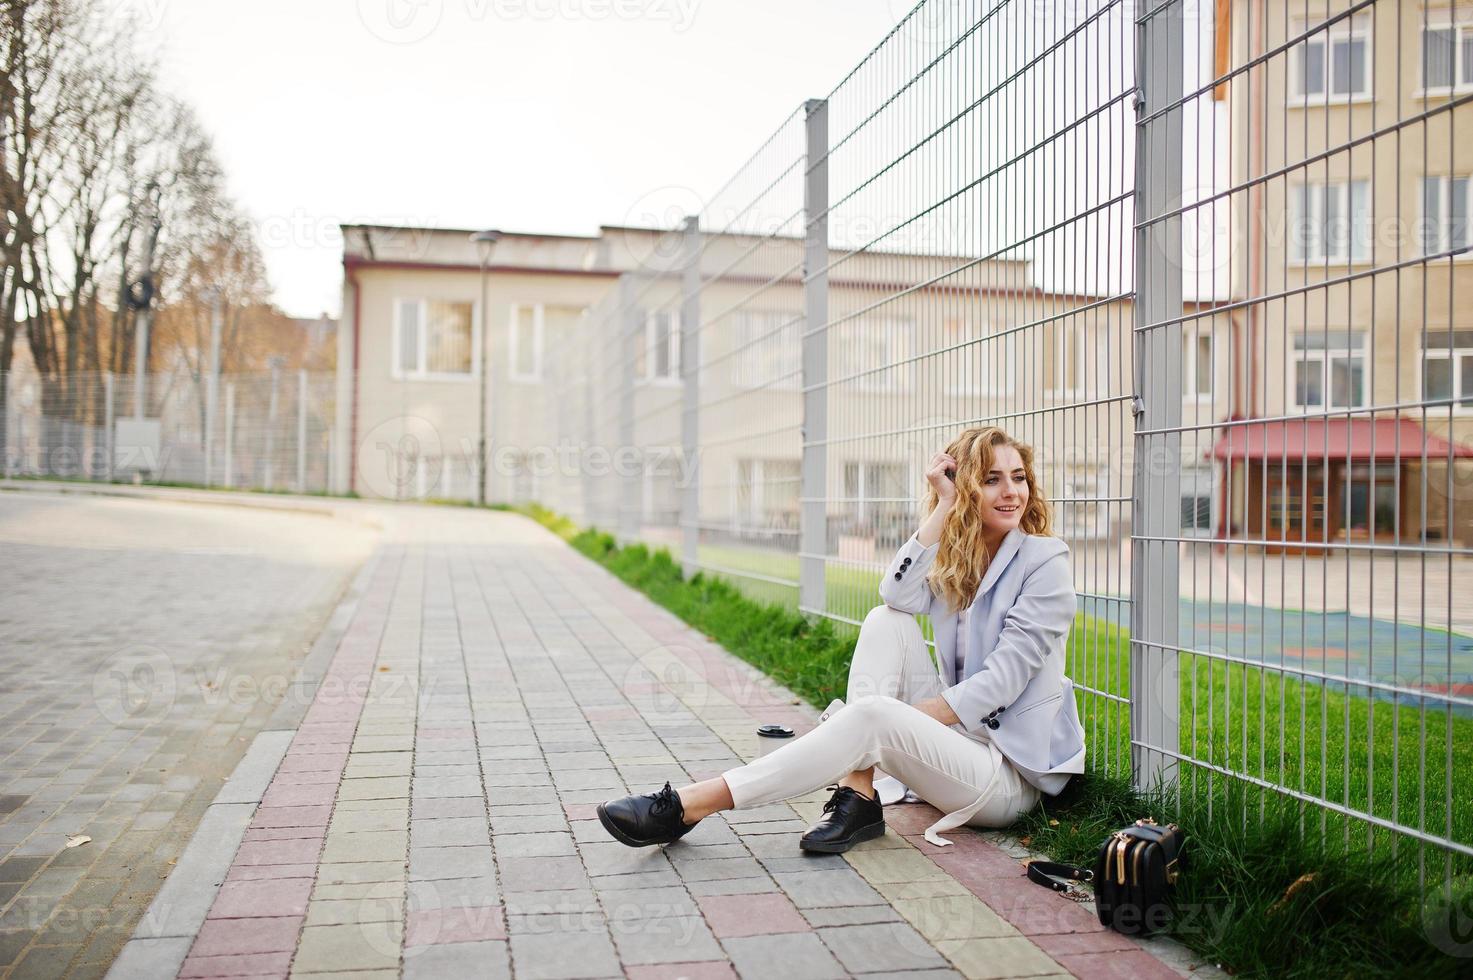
{"type": "Point", "coordinates": [1014, 670]}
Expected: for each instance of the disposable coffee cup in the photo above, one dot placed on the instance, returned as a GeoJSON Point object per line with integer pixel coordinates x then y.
{"type": "Point", "coordinates": [770, 737]}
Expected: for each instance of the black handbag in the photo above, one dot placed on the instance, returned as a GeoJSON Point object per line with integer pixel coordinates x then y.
{"type": "Point", "coordinates": [1132, 877]}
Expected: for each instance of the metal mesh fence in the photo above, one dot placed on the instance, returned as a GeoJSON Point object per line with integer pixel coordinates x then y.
{"type": "Point", "coordinates": [267, 430]}
{"type": "Point", "coordinates": [1207, 261]}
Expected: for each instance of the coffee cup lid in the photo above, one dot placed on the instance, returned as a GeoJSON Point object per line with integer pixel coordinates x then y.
{"type": "Point", "coordinates": [775, 731]}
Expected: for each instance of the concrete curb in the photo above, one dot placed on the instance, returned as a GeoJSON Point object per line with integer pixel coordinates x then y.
{"type": "Point", "coordinates": [341, 508]}
{"type": "Point", "coordinates": [168, 928]}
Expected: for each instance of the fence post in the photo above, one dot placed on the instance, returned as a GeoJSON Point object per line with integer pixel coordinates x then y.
{"type": "Point", "coordinates": [1155, 699]}
{"type": "Point", "coordinates": [632, 327]}
{"type": "Point", "coordinates": [212, 387]}
{"type": "Point", "coordinates": [109, 412]}
{"type": "Point", "coordinates": [230, 434]}
{"type": "Point", "coordinates": [269, 477]}
{"type": "Point", "coordinates": [690, 376]}
{"type": "Point", "coordinates": [813, 504]}
{"type": "Point", "coordinates": [302, 430]}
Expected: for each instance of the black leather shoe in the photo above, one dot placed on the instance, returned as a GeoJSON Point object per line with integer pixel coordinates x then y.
{"type": "Point", "coordinates": [639, 821]}
{"type": "Point", "coordinates": [848, 818]}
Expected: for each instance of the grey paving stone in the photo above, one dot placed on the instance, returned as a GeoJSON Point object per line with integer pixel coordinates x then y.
{"type": "Point", "coordinates": [663, 939]}
{"type": "Point", "coordinates": [562, 956]}
{"type": "Point", "coordinates": [429, 863]}
{"type": "Point", "coordinates": [816, 889]}
{"type": "Point", "coordinates": [788, 955]}
{"type": "Point", "coordinates": [488, 959]}
{"type": "Point", "coordinates": [717, 868]}
{"type": "Point", "coordinates": [525, 874]}
{"type": "Point", "coordinates": [851, 915]}
{"type": "Point", "coordinates": [450, 832]}
{"type": "Point", "coordinates": [449, 806]}
{"type": "Point", "coordinates": [882, 946]}
{"type": "Point", "coordinates": [614, 858]}
{"type": "Point", "coordinates": [547, 844]}
{"type": "Point", "coordinates": [446, 893]}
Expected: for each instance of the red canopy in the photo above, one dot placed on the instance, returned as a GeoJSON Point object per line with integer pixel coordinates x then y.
{"type": "Point", "coordinates": [1334, 438]}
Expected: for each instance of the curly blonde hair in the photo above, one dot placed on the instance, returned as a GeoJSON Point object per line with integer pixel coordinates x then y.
{"type": "Point", "coordinates": [962, 559]}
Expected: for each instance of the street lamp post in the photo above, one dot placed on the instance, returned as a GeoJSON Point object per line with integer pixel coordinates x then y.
{"type": "Point", "coordinates": [485, 242]}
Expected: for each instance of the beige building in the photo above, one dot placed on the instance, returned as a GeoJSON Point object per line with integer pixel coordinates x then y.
{"type": "Point", "coordinates": [580, 358]}
{"type": "Point", "coordinates": [1352, 150]}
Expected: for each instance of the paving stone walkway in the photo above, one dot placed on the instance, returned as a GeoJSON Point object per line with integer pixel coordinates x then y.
{"type": "Point", "coordinates": [433, 814]}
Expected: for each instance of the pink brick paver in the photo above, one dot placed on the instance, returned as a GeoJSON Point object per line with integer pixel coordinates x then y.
{"type": "Point", "coordinates": [751, 915]}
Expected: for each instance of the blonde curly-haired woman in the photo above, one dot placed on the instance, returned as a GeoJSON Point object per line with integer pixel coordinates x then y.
{"type": "Point", "coordinates": [979, 736]}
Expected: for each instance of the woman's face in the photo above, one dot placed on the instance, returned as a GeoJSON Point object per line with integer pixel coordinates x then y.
{"type": "Point", "coordinates": [1004, 492]}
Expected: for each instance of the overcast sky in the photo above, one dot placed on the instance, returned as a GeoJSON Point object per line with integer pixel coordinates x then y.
{"type": "Point", "coordinates": [543, 115]}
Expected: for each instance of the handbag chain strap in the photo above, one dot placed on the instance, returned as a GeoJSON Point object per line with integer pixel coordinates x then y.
{"type": "Point", "coordinates": [1047, 873]}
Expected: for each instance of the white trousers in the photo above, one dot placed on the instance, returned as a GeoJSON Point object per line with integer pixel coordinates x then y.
{"type": "Point", "coordinates": [942, 764]}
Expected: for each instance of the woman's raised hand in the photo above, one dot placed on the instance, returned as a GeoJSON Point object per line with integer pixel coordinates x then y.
{"type": "Point", "coordinates": [936, 476]}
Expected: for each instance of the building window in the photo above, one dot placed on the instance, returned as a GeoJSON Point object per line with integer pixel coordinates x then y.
{"type": "Point", "coordinates": [875, 354]}
{"type": "Point", "coordinates": [1081, 513]}
{"type": "Point", "coordinates": [1331, 222]}
{"type": "Point", "coordinates": [657, 359]}
{"type": "Point", "coordinates": [662, 488]}
{"type": "Point", "coordinates": [1447, 58]}
{"type": "Point", "coordinates": [1196, 501]}
{"type": "Point", "coordinates": [525, 356]}
{"type": "Point", "coordinates": [987, 361]}
{"type": "Point", "coordinates": [1370, 500]}
{"type": "Point", "coordinates": [1197, 367]}
{"type": "Point", "coordinates": [1081, 360]}
{"type": "Point", "coordinates": [435, 339]}
{"type": "Point", "coordinates": [766, 492]}
{"type": "Point", "coordinates": [875, 491]}
{"type": "Point", "coordinates": [1333, 64]}
{"type": "Point", "coordinates": [1329, 369]}
{"type": "Point", "coordinates": [1447, 368]}
{"type": "Point", "coordinates": [1447, 203]}
{"type": "Point", "coordinates": [767, 349]}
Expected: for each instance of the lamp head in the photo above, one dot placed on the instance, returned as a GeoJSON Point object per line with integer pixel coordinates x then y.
{"type": "Point", "coordinates": [485, 241]}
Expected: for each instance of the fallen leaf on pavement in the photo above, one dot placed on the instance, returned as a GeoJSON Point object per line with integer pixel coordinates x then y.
{"type": "Point", "coordinates": [77, 840]}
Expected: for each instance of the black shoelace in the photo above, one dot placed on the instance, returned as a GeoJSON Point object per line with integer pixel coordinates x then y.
{"type": "Point", "coordinates": [665, 800]}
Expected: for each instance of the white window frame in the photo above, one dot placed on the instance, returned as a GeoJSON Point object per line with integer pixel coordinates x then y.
{"type": "Point", "coordinates": [1196, 482]}
{"type": "Point", "coordinates": [650, 344]}
{"type": "Point", "coordinates": [1325, 355]}
{"type": "Point", "coordinates": [1068, 506]}
{"type": "Point", "coordinates": [1358, 27]}
{"type": "Point", "coordinates": [1311, 250]}
{"type": "Point", "coordinates": [514, 343]}
{"type": "Point", "coordinates": [1441, 224]}
{"type": "Point", "coordinates": [1461, 69]}
{"type": "Point", "coordinates": [396, 370]}
{"type": "Point", "coordinates": [1190, 338]}
{"type": "Point", "coordinates": [1456, 377]}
